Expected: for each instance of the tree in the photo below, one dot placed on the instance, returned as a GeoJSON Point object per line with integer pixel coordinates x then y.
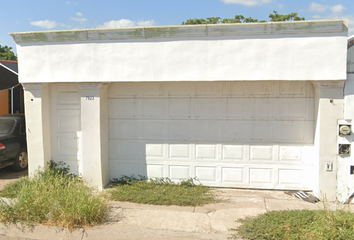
{"type": "Point", "coordinates": [284, 17]}
{"type": "Point", "coordinates": [6, 53]}
{"type": "Point", "coordinates": [274, 17]}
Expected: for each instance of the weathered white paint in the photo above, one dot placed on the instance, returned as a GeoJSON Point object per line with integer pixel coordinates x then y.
{"type": "Point", "coordinates": [94, 128]}
{"type": "Point", "coordinates": [350, 58]}
{"type": "Point", "coordinates": [262, 51]}
{"type": "Point", "coordinates": [190, 55]}
{"type": "Point", "coordinates": [37, 108]}
{"type": "Point", "coordinates": [345, 183]}
{"type": "Point", "coordinates": [330, 107]}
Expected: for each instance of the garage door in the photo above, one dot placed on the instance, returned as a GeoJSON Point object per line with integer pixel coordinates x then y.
{"type": "Point", "coordinates": [227, 134]}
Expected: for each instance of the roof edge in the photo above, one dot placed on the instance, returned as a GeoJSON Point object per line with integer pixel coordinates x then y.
{"type": "Point", "coordinates": [8, 61]}
{"type": "Point", "coordinates": [184, 31]}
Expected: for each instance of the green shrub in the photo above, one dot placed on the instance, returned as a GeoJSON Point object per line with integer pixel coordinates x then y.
{"type": "Point", "coordinates": [298, 224]}
{"type": "Point", "coordinates": [161, 191]}
{"type": "Point", "coordinates": [53, 197]}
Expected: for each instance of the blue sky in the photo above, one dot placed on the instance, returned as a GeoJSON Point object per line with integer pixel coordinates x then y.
{"type": "Point", "coordinates": [41, 15]}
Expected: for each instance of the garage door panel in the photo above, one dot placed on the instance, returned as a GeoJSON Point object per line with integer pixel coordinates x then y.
{"type": "Point", "coordinates": [296, 89]}
{"type": "Point", "coordinates": [207, 130]}
{"type": "Point", "coordinates": [207, 108]}
{"type": "Point", "coordinates": [180, 151]}
{"type": "Point", "coordinates": [179, 172]}
{"type": "Point", "coordinates": [231, 134]}
{"type": "Point", "coordinates": [126, 168]}
{"type": "Point", "coordinates": [294, 108]}
{"type": "Point", "coordinates": [179, 108]}
{"type": "Point", "coordinates": [154, 130]}
{"type": "Point", "coordinates": [262, 89]}
{"type": "Point", "coordinates": [206, 174]}
{"type": "Point", "coordinates": [126, 150]}
{"type": "Point", "coordinates": [212, 89]}
{"type": "Point", "coordinates": [231, 89]}
{"type": "Point", "coordinates": [181, 130]}
{"type": "Point", "coordinates": [261, 175]}
{"type": "Point", "coordinates": [236, 108]}
{"type": "Point", "coordinates": [290, 176]}
{"type": "Point", "coordinates": [263, 131]}
{"type": "Point", "coordinates": [290, 153]}
{"type": "Point", "coordinates": [153, 108]}
{"type": "Point", "coordinates": [236, 131]}
{"type": "Point", "coordinates": [180, 89]}
{"type": "Point", "coordinates": [122, 108]}
{"type": "Point", "coordinates": [155, 151]}
{"type": "Point", "coordinates": [262, 153]}
{"type": "Point", "coordinates": [123, 90]}
{"type": "Point", "coordinates": [264, 108]}
{"type": "Point", "coordinates": [291, 131]}
{"type": "Point", "coordinates": [124, 129]}
{"type": "Point", "coordinates": [155, 171]}
{"type": "Point", "coordinates": [233, 175]}
{"type": "Point", "coordinates": [151, 89]}
{"type": "Point", "coordinates": [233, 153]}
{"type": "Point", "coordinates": [206, 152]}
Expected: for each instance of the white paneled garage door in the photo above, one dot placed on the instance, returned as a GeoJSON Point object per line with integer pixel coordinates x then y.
{"type": "Point", "coordinates": [230, 134]}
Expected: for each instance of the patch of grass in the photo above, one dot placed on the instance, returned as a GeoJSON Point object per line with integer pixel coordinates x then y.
{"type": "Point", "coordinates": [161, 191]}
{"type": "Point", "coordinates": [12, 190]}
{"type": "Point", "coordinates": [52, 197]}
{"type": "Point", "coordinates": [298, 224]}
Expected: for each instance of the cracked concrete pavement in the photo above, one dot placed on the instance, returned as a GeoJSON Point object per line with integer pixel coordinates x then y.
{"type": "Point", "coordinates": [139, 221]}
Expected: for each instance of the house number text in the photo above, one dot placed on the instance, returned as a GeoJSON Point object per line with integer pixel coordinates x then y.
{"type": "Point", "coordinates": [90, 98]}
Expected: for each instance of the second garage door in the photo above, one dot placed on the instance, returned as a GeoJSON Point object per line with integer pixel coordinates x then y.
{"type": "Point", "coordinates": [227, 134]}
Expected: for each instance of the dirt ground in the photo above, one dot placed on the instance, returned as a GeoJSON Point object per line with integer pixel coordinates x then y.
{"type": "Point", "coordinates": [7, 175]}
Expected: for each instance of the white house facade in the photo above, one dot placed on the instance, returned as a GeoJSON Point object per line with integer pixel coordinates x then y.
{"type": "Point", "coordinates": [256, 105]}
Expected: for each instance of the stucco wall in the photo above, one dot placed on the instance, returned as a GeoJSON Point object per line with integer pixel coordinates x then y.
{"type": "Point", "coordinates": [262, 51]}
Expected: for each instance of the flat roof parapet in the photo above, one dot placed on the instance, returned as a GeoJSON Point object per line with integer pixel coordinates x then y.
{"type": "Point", "coordinates": [184, 31]}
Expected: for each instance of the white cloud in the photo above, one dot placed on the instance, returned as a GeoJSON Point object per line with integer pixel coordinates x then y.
{"type": "Point", "coordinates": [45, 24]}
{"type": "Point", "coordinates": [337, 8]}
{"type": "Point", "coordinates": [117, 24]}
{"type": "Point", "coordinates": [80, 18]}
{"type": "Point", "coordinates": [249, 3]}
{"type": "Point", "coordinates": [316, 16]}
{"type": "Point", "coordinates": [70, 2]}
{"type": "Point", "coordinates": [126, 23]}
{"type": "Point", "coordinates": [146, 23]}
{"type": "Point", "coordinates": [317, 7]}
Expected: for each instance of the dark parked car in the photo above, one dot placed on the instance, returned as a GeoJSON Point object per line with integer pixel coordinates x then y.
{"type": "Point", "coordinates": [13, 147]}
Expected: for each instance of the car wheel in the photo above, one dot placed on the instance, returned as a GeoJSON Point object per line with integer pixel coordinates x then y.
{"type": "Point", "coordinates": [21, 160]}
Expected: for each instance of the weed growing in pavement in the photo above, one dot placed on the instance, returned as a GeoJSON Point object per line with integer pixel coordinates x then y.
{"type": "Point", "coordinates": [298, 224]}
{"type": "Point", "coordinates": [53, 197]}
{"type": "Point", "coordinates": [161, 191]}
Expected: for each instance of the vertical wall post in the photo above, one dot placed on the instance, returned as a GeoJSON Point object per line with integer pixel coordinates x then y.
{"type": "Point", "coordinates": [94, 127]}
{"type": "Point", "coordinates": [37, 108]}
{"type": "Point", "coordinates": [329, 100]}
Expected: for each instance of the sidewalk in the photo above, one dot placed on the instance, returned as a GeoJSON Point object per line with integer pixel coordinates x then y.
{"type": "Point", "coordinates": [138, 221]}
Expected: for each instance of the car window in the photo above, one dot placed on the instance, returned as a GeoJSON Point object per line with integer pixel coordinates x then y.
{"type": "Point", "coordinates": [6, 125]}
